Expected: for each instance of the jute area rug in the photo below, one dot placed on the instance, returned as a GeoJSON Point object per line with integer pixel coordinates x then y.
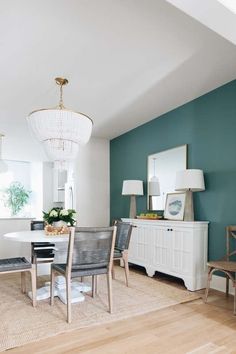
{"type": "Point", "coordinates": [20, 323]}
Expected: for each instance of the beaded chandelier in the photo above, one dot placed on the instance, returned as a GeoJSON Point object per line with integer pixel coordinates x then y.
{"type": "Point", "coordinates": [59, 129]}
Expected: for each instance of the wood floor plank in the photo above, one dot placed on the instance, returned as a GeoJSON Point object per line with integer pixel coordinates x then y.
{"type": "Point", "coordinates": [179, 329]}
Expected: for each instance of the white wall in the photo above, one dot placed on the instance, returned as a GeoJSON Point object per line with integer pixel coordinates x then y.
{"type": "Point", "coordinates": [20, 145]}
{"type": "Point", "coordinates": [37, 189]}
{"type": "Point", "coordinates": [93, 184]}
{"type": "Point", "coordinates": [47, 186]}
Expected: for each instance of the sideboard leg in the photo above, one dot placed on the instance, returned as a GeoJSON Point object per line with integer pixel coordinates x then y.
{"type": "Point", "coordinates": [195, 283]}
{"type": "Point", "coordinates": [190, 284]}
{"type": "Point", "coordinates": [150, 271]}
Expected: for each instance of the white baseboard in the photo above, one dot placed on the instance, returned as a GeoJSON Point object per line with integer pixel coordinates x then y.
{"type": "Point", "coordinates": [219, 283]}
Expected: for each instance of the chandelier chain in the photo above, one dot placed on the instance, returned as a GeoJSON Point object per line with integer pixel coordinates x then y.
{"type": "Point", "coordinates": [61, 105]}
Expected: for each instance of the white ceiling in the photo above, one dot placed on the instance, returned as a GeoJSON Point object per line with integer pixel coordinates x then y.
{"type": "Point", "coordinates": [128, 61]}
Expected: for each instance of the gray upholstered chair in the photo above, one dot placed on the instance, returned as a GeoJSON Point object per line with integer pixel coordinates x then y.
{"type": "Point", "coordinates": [90, 253]}
{"type": "Point", "coordinates": [20, 265]}
{"type": "Point", "coordinates": [41, 252]}
{"type": "Point", "coordinates": [123, 235]}
{"type": "Point", "coordinates": [226, 265]}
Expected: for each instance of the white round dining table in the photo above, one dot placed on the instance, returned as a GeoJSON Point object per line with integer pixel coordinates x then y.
{"type": "Point", "coordinates": [35, 236]}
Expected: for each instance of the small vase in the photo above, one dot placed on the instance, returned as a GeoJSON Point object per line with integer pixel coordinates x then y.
{"type": "Point", "coordinates": [59, 223]}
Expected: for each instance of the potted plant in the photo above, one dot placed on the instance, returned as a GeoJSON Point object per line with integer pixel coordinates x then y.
{"type": "Point", "coordinates": [59, 217]}
{"type": "Point", "coordinates": [16, 197]}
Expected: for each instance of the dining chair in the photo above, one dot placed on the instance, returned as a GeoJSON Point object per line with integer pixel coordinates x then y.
{"type": "Point", "coordinates": [90, 253]}
{"type": "Point", "coordinates": [41, 252]}
{"type": "Point", "coordinates": [121, 250]}
{"type": "Point", "coordinates": [20, 265]}
{"type": "Point", "coordinates": [225, 265]}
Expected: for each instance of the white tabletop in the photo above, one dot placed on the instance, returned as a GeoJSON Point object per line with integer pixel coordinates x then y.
{"type": "Point", "coordinates": [34, 236]}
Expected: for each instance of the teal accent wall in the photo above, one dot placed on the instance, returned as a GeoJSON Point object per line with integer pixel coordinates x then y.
{"type": "Point", "coordinates": [208, 125]}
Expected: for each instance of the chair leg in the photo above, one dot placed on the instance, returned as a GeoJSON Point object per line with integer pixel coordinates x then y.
{"type": "Point", "coordinates": [227, 286]}
{"type": "Point", "coordinates": [208, 285]}
{"type": "Point", "coordinates": [33, 285]}
{"type": "Point", "coordinates": [109, 288]}
{"type": "Point", "coordinates": [23, 282]}
{"type": "Point", "coordinates": [93, 285]}
{"type": "Point", "coordinates": [235, 298]}
{"type": "Point", "coordinates": [52, 286]}
{"type": "Point", "coordinates": [126, 264]}
{"type": "Point", "coordinates": [68, 298]}
{"type": "Point", "coordinates": [113, 270]}
{"type": "Point", "coordinates": [36, 270]}
{"type": "Point", "coordinates": [96, 284]}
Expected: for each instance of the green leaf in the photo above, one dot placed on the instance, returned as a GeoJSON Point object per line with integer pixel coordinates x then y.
{"type": "Point", "coordinates": [15, 197]}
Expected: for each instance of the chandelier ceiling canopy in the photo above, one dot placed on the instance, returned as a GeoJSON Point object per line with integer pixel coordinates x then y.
{"type": "Point", "coordinates": [59, 129]}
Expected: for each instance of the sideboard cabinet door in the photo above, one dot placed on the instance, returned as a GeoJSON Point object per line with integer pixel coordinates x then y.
{"type": "Point", "coordinates": [140, 252]}
{"type": "Point", "coordinates": [182, 250]}
{"type": "Point", "coordinates": [162, 244]}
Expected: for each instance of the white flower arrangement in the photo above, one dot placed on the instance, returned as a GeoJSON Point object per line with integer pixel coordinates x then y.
{"type": "Point", "coordinates": [53, 213]}
{"type": "Point", "coordinates": [57, 214]}
{"type": "Point", "coordinates": [64, 212]}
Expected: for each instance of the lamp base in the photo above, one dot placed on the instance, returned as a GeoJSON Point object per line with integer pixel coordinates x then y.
{"type": "Point", "coordinates": [132, 210]}
{"type": "Point", "coordinates": [188, 210]}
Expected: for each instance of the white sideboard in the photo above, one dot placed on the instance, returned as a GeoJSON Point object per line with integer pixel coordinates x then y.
{"type": "Point", "coordinates": [178, 248]}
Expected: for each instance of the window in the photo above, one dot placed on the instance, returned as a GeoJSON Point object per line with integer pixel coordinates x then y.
{"type": "Point", "coordinates": [18, 197]}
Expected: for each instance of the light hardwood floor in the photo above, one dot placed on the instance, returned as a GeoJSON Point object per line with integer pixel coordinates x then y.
{"type": "Point", "coordinates": [192, 327]}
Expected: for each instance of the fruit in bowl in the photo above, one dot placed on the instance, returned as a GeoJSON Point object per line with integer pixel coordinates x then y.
{"type": "Point", "coordinates": [149, 216]}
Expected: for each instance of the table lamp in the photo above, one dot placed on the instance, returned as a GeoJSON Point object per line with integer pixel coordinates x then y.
{"type": "Point", "coordinates": [190, 181]}
{"type": "Point", "coordinates": [132, 188]}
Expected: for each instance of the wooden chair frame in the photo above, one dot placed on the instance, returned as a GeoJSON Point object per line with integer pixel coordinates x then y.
{"type": "Point", "coordinates": [124, 256]}
{"type": "Point", "coordinates": [230, 272]}
{"type": "Point", "coordinates": [32, 272]}
{"type": "Point", "coordinates": [94, 278]}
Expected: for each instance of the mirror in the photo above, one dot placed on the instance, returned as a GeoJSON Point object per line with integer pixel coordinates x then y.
{"type": "Point", "coordinates": [162, 168]}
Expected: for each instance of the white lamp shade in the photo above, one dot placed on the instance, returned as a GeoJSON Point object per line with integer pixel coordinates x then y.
{"type": "Point", "coordinates": [190, 180]}
{"type": "Point", "coordinates": [132, 187]}
{"type": "Point", "coordinates": [154, 186]}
